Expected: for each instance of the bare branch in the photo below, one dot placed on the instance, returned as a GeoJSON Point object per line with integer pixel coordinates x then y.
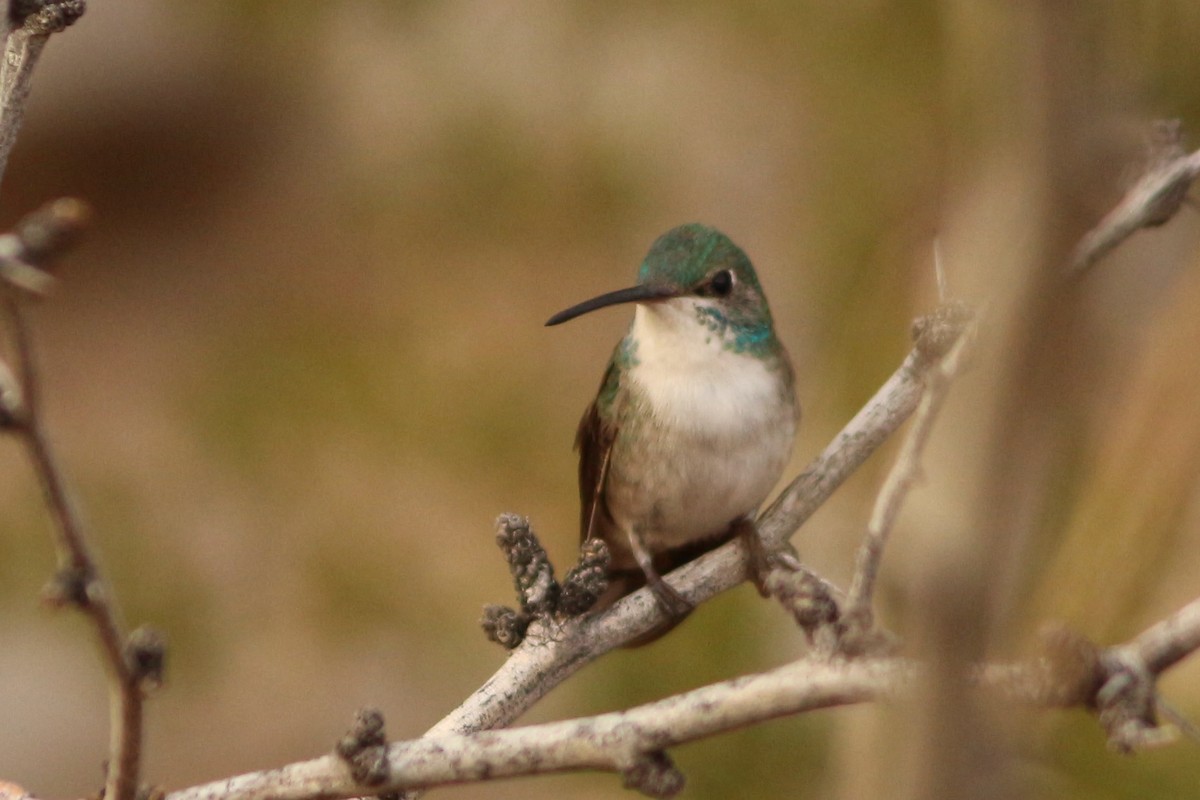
{"type": "Point", "coordinates": [1151, 201]}
{"type": "Point", "coordinates": [133, 663]}
{"type": "Point", "coordinates": [892, 404]}
{"type": "Point", "coordinates": [28, 25]}
{"type": "Point", "coordinates": [620, 742]}
{"type": "Point", "coordinates": [904, 473]}
{"type": "Point", "coordinates": [632, 742]}
{"type": "Point", "coordinates": [1162, 645]}
{"type": "Point", "coordinates": [38, 240]}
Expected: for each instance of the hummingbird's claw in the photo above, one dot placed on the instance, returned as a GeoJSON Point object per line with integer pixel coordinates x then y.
{"type": "Point", "coordinates": [673, 604]}
{"type": "Point", "coordinates": [760, 565]}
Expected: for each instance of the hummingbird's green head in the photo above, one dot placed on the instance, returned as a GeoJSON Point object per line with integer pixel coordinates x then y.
{"type": "Point", "coordinates": [694, 272]}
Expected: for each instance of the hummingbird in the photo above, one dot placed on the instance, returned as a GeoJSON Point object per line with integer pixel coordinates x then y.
{"type": "Point", "coordinates": [694, 420]}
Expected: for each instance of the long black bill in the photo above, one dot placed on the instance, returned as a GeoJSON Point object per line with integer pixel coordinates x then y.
{"type": "Point", "coordinates": [634, 294]}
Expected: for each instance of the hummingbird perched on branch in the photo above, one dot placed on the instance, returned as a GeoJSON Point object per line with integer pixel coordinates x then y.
{"type": "Point", "coordinates": [695, 417]}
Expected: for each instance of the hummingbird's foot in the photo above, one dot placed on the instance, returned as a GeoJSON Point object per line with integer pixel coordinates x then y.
{"type": "Point", "coordinates": [760, 564]}
{"type": "Point", "coordinates": [669, 600]}
{"type": "Point", "coordinates": [673, 604]}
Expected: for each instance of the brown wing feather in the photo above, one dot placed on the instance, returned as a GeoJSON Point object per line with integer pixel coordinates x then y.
{"type": "Point", "coordinates": [594, 443]}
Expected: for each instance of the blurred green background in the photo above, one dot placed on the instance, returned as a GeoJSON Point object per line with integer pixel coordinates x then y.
{"type": "Point", "coordinates": [299, 365]}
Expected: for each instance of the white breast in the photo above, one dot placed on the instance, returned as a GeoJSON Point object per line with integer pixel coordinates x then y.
{"type": "Point", "coordinates": [692, 381]}
{"type": "Point", "coordinates": [720, 434]}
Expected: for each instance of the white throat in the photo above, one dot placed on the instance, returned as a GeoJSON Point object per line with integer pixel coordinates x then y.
{"type": "Point", "coordinates": [692, 380]}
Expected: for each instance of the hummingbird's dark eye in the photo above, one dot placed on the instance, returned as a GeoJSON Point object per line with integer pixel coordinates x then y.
{"type": "Point", "coordinates": [721, 284]}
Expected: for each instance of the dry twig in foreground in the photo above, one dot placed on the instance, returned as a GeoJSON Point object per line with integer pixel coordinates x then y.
{"type": "Point", "coordinates": [632, 743]}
